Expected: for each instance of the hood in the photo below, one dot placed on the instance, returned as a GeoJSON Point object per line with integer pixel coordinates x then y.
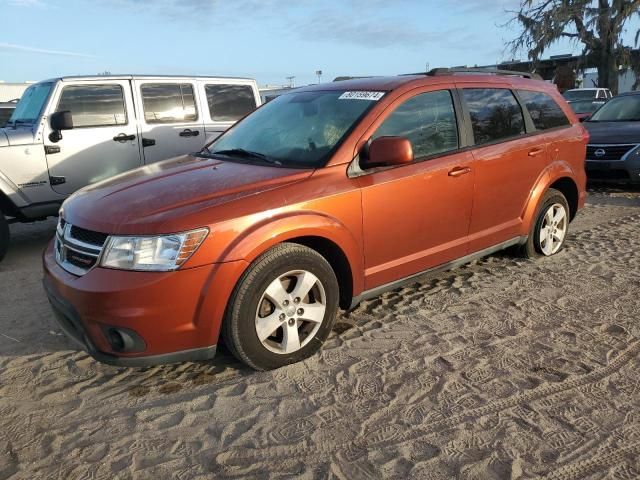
{"type": "Point", "coordinates": [17, 136]}
{"type": "Point", "coordinates": [174, 195]}
{"type": "Point", "coordinates": [603, 133]}
{"type": "Point", "coordinates": [4, 140]}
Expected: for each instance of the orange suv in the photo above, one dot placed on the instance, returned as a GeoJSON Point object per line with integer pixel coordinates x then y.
{"type": "Point", "coordinates": [321, 198]}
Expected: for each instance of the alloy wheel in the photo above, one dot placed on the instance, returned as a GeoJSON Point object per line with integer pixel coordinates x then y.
{"type": "Point", "coordinates": [290, 311]}
{"type": "Point", "coordinates": [553, 229]}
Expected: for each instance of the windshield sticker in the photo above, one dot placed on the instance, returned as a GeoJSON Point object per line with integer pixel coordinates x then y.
{"type": "Point", "coordinates": [370, 96]}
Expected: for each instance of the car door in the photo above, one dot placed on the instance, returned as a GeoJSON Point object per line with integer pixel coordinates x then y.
{"type": "Point", "coordinates": [104, 138]}
{"type": "Point", "coordinates": [416, 216]}
{"type": "Point", "coordinates": [507, 163]}
{"type": "Point", "coordinates": [171, 123]}
{"type": "Point", "coordinates": [225, 102]}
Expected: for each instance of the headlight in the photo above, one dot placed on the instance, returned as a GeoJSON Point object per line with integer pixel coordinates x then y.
{"type": "Point", "coordinates": [153, 253]}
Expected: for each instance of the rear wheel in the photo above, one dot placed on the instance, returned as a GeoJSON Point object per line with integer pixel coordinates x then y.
{"type": "Point", "coordinates": [4, 236]}
{"type": "Point", "coordinates": [550, 229]}
{"type": "Point", "coordinates": [282, 309]}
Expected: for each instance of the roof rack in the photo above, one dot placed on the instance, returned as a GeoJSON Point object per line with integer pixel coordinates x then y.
{"type": "Point", "coordinates": [436, 72]}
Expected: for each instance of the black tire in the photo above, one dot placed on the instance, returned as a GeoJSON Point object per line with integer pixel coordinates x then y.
{"type": "Point", "coordinates": [239, 332]}
{"type": "Point", "coordinates": [4, 236]}
{"type": "Point", "coordinates": [533, 247]}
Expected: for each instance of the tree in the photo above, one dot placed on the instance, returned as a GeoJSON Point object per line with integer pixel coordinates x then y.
{"type": "Point", "coordinates": [596, 24]}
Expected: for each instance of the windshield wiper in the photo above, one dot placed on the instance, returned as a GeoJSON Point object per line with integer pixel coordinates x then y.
{"type": "Point", "coordinates": [241, 152]}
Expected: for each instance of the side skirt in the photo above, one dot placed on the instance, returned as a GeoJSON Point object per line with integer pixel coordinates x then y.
{"type": "Point", "coordinates": [374, 292]}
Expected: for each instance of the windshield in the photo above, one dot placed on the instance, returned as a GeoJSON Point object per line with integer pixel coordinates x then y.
{"type": "Point", "coordinates": [619, 109]}
{"type": "Point", "coordinates": [31, 104]}
{"type": "Point", "coordinates": [296, 129]}
{"type": "Point", "coordinates": [585, 106]}
{"type": "Point", "coordinates": [580, 95]}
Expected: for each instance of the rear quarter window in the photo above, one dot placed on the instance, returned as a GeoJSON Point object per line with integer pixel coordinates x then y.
{"type": "Point", "coordinates": [495, 114]}
{"type": "Point", "coordinates": [544, 110]}
{"type": "Point", "coordinates": [229, 103]}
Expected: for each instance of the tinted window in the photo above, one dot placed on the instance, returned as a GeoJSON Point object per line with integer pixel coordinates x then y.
{"type": "Point", "coordinates": [495, 114]}
{"type": "Point", "coordinates": [168, 102]}
{"type": "Point", "coordinates": [428, 121]}
{"type": "Point", "coordinates": [228, 103]}
{"type": "Point", "coordinates": [625, 108]}
{"type": "Point", "coordinates": [5, 115]}
{"type": "Point", "coordinates": [543, 109]}
{"type": "Point", "coordinates": [94, 105]}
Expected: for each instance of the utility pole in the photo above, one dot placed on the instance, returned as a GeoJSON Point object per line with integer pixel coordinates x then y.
{"type": "Point", "coordinates": [319, 74]}
{"type": "Point", "coordinates": [291, 81]}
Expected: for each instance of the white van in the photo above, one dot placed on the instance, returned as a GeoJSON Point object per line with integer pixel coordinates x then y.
{"type": "Point", "coordinates": [69, 132]}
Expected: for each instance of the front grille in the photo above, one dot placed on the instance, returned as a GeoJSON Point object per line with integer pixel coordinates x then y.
{"type": "Point", "coordinates": [608, 152]}
{"type": "Point", "coordinates": [87, 236]}
{"type": "Point", "coordinates": [78, 250]}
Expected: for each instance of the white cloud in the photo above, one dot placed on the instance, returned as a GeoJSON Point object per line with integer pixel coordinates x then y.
{"type": "Point", "coordinates": [10, 47]}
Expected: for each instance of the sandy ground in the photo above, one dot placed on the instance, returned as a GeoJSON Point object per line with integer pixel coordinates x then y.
{"type": "Point", "coordinates": [505, 368]}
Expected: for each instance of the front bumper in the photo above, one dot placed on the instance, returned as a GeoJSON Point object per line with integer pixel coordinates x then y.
{"type": "Point", "coordinates": [172, 316]}
{"type": "Point", "coordinates": [626, 170]}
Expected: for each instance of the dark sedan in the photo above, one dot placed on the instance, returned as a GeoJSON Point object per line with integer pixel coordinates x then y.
{"type": "Point", "coordinates": [613, 152]}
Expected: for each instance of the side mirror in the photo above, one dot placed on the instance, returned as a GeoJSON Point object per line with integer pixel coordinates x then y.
{"type": "Point", "coordinates": [388, 151]}
{"type": "Point", "coordinates": [61, 121]}
{"type": "Point", "coordinates": [584, 119]}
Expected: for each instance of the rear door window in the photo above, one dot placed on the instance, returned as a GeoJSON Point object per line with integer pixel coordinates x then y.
{"type": "Point", "coordinates": [544, 110]}
{"type": "Point", "coordinates": [427, 120]}
{"type": "Point", "coordinates": [94, 105]}
{"type": "Point", "coordinates": [168, 102]}
{"type": "Point", "coordinates": [495, 114]}
{"type": "Point", "coordinates": [229, 103]}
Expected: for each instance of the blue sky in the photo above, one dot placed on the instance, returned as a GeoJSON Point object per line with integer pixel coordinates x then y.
{"type": "Point", "coordinates": [263, 39]}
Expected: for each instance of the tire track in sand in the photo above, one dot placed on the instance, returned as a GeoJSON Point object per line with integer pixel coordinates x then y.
{"type": "Point", "coordinates": [396, 434]}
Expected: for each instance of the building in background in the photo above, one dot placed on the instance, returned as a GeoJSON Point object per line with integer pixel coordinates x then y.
{"type": "Point", "coordinates": [569, 71]}
{"type": "Point", "coordinates": [12, 91]}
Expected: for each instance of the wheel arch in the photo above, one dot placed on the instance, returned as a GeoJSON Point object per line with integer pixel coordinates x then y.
{"type": "Point", "coordinates": [338, 260]}
{"type": "Point", "coordinates": [569, 189]}
{"type": "Point", "coordinates": [559, 176]}
{"type": "Point", "coordinates": [323, 234]}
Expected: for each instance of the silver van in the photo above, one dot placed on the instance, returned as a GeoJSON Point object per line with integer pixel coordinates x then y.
{"type": "Point", "coordinates": [69, 132]}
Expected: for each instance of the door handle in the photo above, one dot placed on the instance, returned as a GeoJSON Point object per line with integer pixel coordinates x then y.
{"type": "Point", "coordinates": [189, 133]}
{"type": "Point", "coordinates": [123, 137]}
{"type": "Point", "coordinates": [148, 142]}
{"type": "Point", "coordinates": [459, 171]}
{"type": "Point", "coordinates": [535, 152]}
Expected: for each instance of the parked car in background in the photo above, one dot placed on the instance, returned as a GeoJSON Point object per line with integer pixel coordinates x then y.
{"type": "Point", "coordinates": [593, 94]}
{"type": "Point", "coordinates": [69, 132]}
{"type": "Point", "coordinates": [6, 110]}
{"type": "Point", "coordinates": [585, 108]}
{"type": "Point", "coordinates": [323, 197]}
{"type": "Point", "coordinates": [614, 149]}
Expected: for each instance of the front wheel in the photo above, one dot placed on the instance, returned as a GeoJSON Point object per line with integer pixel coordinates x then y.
{"type": "Point", "coordinates": [282, 309]}
{"type": "Point", "coordinates": [550, 228]}
{"type": "Point", "coordinates": [4, 236]}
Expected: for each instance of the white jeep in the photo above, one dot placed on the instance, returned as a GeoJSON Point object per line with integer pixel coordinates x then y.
{"type": "Point", "coordinates": [69, 132]}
